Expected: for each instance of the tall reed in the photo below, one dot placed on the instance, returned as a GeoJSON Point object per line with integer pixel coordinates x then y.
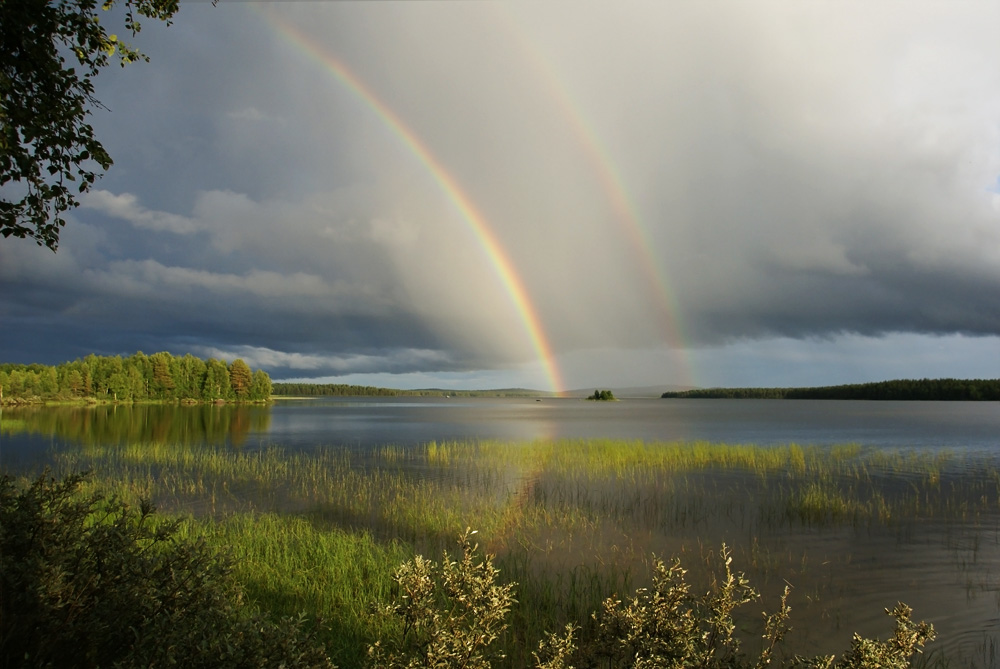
{"type": "Point", "coordinates": [571, 521]}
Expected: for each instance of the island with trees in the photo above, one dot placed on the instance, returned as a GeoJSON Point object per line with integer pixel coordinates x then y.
{"type": "Point", "coordinates": [961, 390]}
{"type": "Point", "coordinates": [602, 396]}
{"type": "Point", "coordinates": [136, 378]}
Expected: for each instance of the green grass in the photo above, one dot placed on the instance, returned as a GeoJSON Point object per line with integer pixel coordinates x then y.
{"type": "Point", "coordinates": [571, 521]}
{"type": "Point", "coordinates": [288, 564]}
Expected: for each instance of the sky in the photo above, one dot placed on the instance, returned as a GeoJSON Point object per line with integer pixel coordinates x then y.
{"type": "Point", "coordinates": [550, 195]}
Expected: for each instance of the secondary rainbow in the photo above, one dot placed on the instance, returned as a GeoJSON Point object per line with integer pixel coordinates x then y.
{"type": "Point", "coordinates": [614, 187]}
{"type": "Point", "coordinates": [476, 221]}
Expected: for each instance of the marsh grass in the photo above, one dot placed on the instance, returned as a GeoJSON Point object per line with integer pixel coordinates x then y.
{"type": "Point", "coordinates": [572, 521]}
{"type": "Point", "coordinates": [291, 563]}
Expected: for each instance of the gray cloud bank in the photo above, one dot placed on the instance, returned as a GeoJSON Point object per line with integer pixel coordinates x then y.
{"type": "Point", "coordinates": [796, 171]}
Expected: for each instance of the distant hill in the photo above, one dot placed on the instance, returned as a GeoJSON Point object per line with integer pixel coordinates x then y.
{"type": "Point", "coordinates": [634, 392]}
{"type": "Point", "coordinates": [902, 389]}
{"type": "Point", "coordinates": [282, 388]}
{"type": "Point", "coordinates": [492, 392]}
{"type": "Point", "coordinates": [286, 389]}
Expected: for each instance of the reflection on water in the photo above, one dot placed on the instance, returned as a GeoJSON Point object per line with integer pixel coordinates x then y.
{"type": "Point", "coordinates": [141, 423]}
{"type": "Point", "coordinates": [910, 512]}
{"type": "Point", "coordinates": [364, 423]}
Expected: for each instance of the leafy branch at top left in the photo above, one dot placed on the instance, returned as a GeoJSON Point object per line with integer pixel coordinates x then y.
{"type": "Point", "coordinates": [51, 51]}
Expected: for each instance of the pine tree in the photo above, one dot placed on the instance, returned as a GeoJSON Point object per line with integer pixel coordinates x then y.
{"type": "Point", "coordinates": [240, 379]}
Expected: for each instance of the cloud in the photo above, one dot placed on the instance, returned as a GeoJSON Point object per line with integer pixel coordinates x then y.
{"type": "Point", "coordinates": [126, 207]}
{"type": "Point", "coordinates": [283, 363]}
{"type": "Point", "coordinates": [846, 359]}
{"type": "Point", "coordinates": [796, 175]}
{"type": "Point", "coordinates": [248, 114]}
{"type": "Point", "coordinates": [149, 278]}
{"type": "Point", "coordinates": [631, 180]}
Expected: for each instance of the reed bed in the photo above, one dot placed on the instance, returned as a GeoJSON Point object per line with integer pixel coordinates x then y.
{"type": "Point", "coordinates": [571, 521]}
{"type": "Point", "coordinates": [290, 564]}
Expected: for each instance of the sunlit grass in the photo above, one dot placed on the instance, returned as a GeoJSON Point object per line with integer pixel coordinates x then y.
{"type": "Point", "coordinates": [571, 521]}
{"type": "Point", "coordinates": [518, 492]}
{"type": "Point", "coordinates": [290, 564]}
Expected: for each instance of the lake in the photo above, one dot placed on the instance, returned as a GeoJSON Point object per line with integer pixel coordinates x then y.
{"type": "Point", "coordinates": [936, 545]}
{"type": "Point", "coordinates": [366, 422]}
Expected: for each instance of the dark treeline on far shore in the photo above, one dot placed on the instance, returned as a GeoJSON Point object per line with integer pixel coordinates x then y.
{"type": "Point", "coordinates": [903, 389]}
{"type": "Point", "coordinates": [345, 390]}
{"type": "Point", "coordinates": [136, 378]}
{"type": "Point", "coordinates": [286, 389]}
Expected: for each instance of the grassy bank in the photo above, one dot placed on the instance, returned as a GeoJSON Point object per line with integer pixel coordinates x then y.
{"type": "Point", "coordinates": [572, 522]}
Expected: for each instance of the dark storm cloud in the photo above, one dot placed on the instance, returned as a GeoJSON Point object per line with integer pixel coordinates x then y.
{"type": "Point", "coordinates": [811, 173]}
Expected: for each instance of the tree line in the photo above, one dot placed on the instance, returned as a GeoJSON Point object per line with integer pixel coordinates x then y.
{"type": "Point", "coordinates": [136, 378]}
{"type": "Point", "coordinates": [290, 389]}
{"type": "Point", "coordinates": [962, 390]}
{"type": "Point", "coordinates": [331, 390]}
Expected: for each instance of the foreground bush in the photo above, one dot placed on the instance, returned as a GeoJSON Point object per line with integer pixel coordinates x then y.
{"type": "Point", "coordinates": [450, 612]}
{"type": "Point", "coordinates": [88, 581]}
{"type": "Point", "coordinates": [453, 611]}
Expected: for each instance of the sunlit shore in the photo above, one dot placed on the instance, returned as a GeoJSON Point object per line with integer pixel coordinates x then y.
{"type": "Point", "coordinates": [571, 521]}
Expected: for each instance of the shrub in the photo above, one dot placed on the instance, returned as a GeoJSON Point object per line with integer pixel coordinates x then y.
{"type": "Point", "coordinates": [894, 653]}
{"type": "Point", "coordinates": [89, 581]}
{"type": "Point", "coordinates": [669, 626]}
{"type": "Point", "coordinates": [450, 613]}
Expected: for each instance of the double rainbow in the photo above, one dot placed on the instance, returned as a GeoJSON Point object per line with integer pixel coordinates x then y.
{"type": "Point", "coordinates": [626, 213]}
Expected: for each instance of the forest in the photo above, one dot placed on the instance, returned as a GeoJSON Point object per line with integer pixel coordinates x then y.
{"type": "Point", "coordinates": [962, 390]}
{"type": "Point", "coordinates": [287, 389]}
{"type": "Point", "coordinates": [291, 389]}
{"type": "Point", "coordinates": [136, 378]}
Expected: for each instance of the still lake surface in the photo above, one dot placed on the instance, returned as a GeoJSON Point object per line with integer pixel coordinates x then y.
{"type": "Point", "coordinates": [408, 421]}
{"type": "Point", "coordinates": [368, 422]}
{"type": "Point", "coordinates": [947, 569]}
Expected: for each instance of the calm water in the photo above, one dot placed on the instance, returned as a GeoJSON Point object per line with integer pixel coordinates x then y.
{"type": "Point", "coordinates": [407, 421]}
{"type": "Point", "coordinates": [363, 423]}
{"type": "Point", "coordinates": [948, 569]}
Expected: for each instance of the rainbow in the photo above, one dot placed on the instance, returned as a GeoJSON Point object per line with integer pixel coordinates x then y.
{"type": "Point", "coordinates": [476, 221]}
{"type": "Point", "coordinates": [613, 185]}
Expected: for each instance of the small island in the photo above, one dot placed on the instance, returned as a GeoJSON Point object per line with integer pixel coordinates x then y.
{"type": "Point", "coordinates": [602, 396]}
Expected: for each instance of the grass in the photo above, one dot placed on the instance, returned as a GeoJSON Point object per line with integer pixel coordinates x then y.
{"type": "Point", "coordinates": [289, 564]}
{"type": "Point", "coordinates": [571, 521]}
